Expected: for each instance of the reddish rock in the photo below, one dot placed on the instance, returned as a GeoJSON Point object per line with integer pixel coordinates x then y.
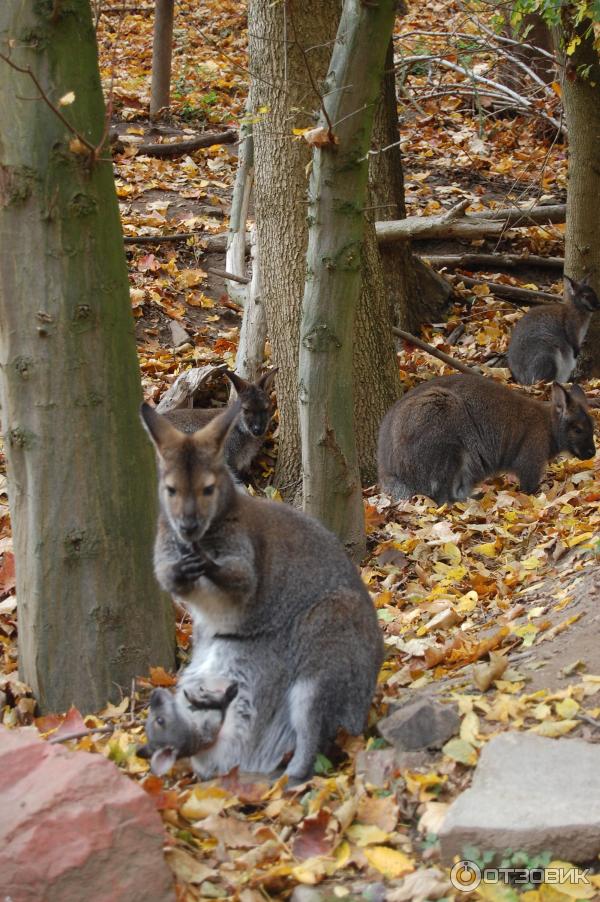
{"type": "Point", "coordinates": [73, 827]}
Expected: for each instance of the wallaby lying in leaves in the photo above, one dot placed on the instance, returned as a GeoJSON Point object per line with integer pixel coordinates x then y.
{"type": "Point", "coordinates": [278, 608]}
{"type": "Point", "coordinates": [185, 725]}
{"type": "Point", "coordinates": [246, 437]}
{"type": "Point", "coordinates": [443, 437]}
{"type": "Point", "coordinates": [546, 342]}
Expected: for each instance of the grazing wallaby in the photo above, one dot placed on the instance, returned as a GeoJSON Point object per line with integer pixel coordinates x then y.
{"type": "Point", "coordinates": [546, 342]}
{"type": "Point", "coordinates": [246, 438]}
{"type": "Point", "coordinates": [446, 435]}
{"type": "Point", "coordinates": [278, 608]}
{"type": "Point", "coordinates": [174, 730]}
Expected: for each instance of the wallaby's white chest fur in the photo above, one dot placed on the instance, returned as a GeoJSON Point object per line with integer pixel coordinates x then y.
{"type": "Point", "coordinates": [565, 364]}
{"type": "Point", "coordinates": [211, 608]}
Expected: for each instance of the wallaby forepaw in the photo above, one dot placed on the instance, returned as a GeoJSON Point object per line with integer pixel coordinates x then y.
{"type": "Point", "coordinates": [190, 568]}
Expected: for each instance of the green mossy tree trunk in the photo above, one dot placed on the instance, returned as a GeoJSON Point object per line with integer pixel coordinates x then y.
{"type": "Point", "coordinates": [581, 96]}
{"type": "Point", "coordinates": [337, 198]}
{"type": "Point", "coordinates": [81, 473]}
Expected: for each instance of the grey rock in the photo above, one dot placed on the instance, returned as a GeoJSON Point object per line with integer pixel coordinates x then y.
{"type": "Point", "coordinates": [424, 723]}
{"type": "Point", "coordinates": [529, 794]}
{"type": "Point", "coordinates": [377, 766]}
{"type": "Point", "coordinates": [178, 334]}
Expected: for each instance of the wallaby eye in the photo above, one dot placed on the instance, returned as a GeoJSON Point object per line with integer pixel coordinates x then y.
{"type": "Point", "coordinates": [160, 721]}
{"type": "Point", "coordinates": [208, 489]}
{"type": "Point", "coordinates": [170, 489]}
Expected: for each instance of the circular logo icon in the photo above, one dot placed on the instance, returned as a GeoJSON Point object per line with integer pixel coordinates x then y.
{"type": "Point", "coordinates": [465, 876]}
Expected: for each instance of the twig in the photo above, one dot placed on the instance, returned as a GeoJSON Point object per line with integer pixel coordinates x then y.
{"type": "Point", "coordinates": [445, 358]}
{"type": "Point", "coordinates": [26, 70]}
{"type": "Point", "coordinates": [160, 239]}
{"type": "Point", "coordinates": [512, 293]}
{"type": "Point", "coordinates": [81, 733]}
{"type": "Point", "coordinates": [182, 147]}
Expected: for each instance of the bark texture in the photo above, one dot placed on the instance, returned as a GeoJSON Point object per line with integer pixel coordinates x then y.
{"type": "Point", "coordinates": [81, 473]}
{"type": "Point", "coordinates": [581, 96]}
{"type": "Point", "coordinates": [162, 50]}
{"type": "Point", "coordinates": [337, 196]}
{"type": "Point", "coordinates": [282, 90]}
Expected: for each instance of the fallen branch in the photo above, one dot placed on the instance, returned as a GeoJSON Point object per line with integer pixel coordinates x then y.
{"type": "Point", "coordinates": [493, 261]}
{"type": "Point", "coordinates": [179, 148]}
{"type": "Point", "coordinates": [216, 244]}
{"type": "Point", "coordinates": [243, 280]}
{"type": "Point", "coordinates": [512, 293]}
{"type": "Point", "coordinates": [445, 358]}
{"type": "Point", "coordinates": [454, 223]}
{"type": "Point", "coordinates": [186, 385]}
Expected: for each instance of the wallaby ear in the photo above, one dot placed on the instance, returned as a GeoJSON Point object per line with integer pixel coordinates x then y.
{"type": "Point", "coordinates": [571, 287]}
{"type": "Point", "coordinates": [560, 398]}
{"type": "Point", "coordinates": [160, 430]}
{"type": "Point", "coordinates": [214, 434]}
{"type": "Point", "coordinates": [219, 695]}
{"type": "Point", "coordinates": [163, 760]}
{"type": "Point", "coordinates": [577, 394]}
{"type": "Point", "coordinates": [159, 698]}
{"type": "Point", "coordinates": [238, 383]}
{"type": "Point", "coordinates": [266, 380]}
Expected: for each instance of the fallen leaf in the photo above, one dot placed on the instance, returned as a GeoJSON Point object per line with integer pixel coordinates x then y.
{"type": "Point", "coordinates": [389, 862]}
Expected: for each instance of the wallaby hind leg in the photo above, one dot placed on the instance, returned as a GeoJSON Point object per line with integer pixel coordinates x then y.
{"type": "Point", "coordinates": [306, 720]}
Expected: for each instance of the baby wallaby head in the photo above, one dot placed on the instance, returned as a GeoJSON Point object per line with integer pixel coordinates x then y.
{"type": "Point", "coordinates": [581, 294]}
{"type": "Point", "coordinates": [572, 423]}
{"type": "Point", "coordinates": [255, 399]}
{"type": "Point", "coordinates": [181, 725]}
{"type": "Point", "coordinates": [193, 480]}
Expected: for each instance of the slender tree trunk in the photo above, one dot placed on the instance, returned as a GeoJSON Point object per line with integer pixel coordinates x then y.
{"type": "Point", "coordinates": [417, 294]}
{"type": "Point", "coordinates": [282, 98]}
{"type": "Point", "coordinates": [581, 97]}
{"type": "Point", "coordinates": [162, 50]}
{"type": "Point", "coordinates": [337, 196]}
{"type": "Point", "coordinates": [253, 332]}
{"type": "Point", "coordinates": [235, 257]}
{"type": "Point", "coordinates": [81, 477]}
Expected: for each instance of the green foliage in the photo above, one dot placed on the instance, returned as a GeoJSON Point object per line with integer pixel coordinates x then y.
{"type": "Point", "coordinates": [323, 765]}
{"type": "Point", "coordinates": [557, 13]}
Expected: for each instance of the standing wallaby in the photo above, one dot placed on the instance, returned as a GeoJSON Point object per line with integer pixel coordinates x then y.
{"type": "Point", "coordinates": [445, 436]}
{"type": "Point", "coordinates": [545, 343]}
{"type": "Point", "coordinates": [246, 438]}
{"type": "Point", "coordinates": [193, 726]}
{"type": "Point", "coordinates": [278, 609]}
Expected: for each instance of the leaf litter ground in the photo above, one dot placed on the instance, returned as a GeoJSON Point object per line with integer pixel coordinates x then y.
{"type": "Point", "coordinates": [486, 602]}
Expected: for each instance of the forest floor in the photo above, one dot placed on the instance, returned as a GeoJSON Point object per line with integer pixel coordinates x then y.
{"type": "Point", "coordinates": [491, 603]}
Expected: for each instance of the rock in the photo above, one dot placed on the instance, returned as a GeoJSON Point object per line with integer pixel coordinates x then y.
{"type": "Point", "coordinates": [377, 766]}
{"type": "Point", "coordinates": [529, 794]}
{"type": "Point", "coordinates": [178, 333]}
{"type": "Point", "coordinates": [73, 827]}
{"type": "Point", "coordinates": [424, 723]}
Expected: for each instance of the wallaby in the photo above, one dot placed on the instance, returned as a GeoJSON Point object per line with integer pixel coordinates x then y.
{"type": "Point", "coordinates": [278, 608]}
{"type": "Point", "coordinates": [445, 436]}
{"type": "Point", "coordinates": [246, 437]}
{"type": "Point", "coordinates": [173, 731]}
{"type": "Point", "coordinates": [545, 343]}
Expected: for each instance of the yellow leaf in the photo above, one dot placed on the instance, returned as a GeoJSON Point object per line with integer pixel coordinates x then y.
{"type": "Point", "coordinates": [389, 862]}
{"type": "Point", "coordinates": [556, 87]}
{"type": "Point", "coordinates": [311, 871]}
{"type": "Point", "coordinates": [555, 728]}
{"type": "Point", "coordinates": [496, 892]}
{"type": "Point", "coordinates": [487, 548]}
{"type": "Point", "coordinates": [461, 751]}
{"type": "Point", "coordinates": [573, 44]}
{"type": "Point", "coordinates": [452, 552]}
{"type": "Point", "coordinates": [203, 802]}
{"type": "Point", "coordinates": [468, 602]}
{"type": "Point", "coordinates": [366, 834]}
{"type": "Point", "coordinates": [577, 540]}
{"type": "Point", "coordinates": [469, 728]}
{"type": "Point", "coordinates": [67, 99]}
{"type": "Point", "coordinates": [574, 883]}
{"type": "Point", "coordinates": [567, 708]}
{"type": "Point", "coordinates": [527, 633]}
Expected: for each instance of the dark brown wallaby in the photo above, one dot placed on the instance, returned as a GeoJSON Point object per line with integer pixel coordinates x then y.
{"type": "Point", "coordinates": [445, 436]}
{"type": "Point", "coordinates": [545, 343]}
{"type": "Point", "coordinates": [279, 610]}
{"type": "Point", "coordinates": [246, 437]}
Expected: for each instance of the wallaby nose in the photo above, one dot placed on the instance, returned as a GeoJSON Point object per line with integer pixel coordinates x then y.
{"type": "Point", "coordinates": [188, 528]}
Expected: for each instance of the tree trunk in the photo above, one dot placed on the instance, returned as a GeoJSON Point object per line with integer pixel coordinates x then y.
{"type": "Point", "coordinates": [81, 474]}
{"type": "Point", "coordinates": [415, 292]}
{"type": "Point", "coordinates": [337, 197]}
{"type": "Point", "coordinates": [162, 50]}
{"type": "Point", "coordinates": [235, 258]}
{"type": "Point", "coordinates": [282, 98]}
{"type": "Point", "coordinates": [253, 332]}
{"type": "Point", "coordinates": [581, 96]}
